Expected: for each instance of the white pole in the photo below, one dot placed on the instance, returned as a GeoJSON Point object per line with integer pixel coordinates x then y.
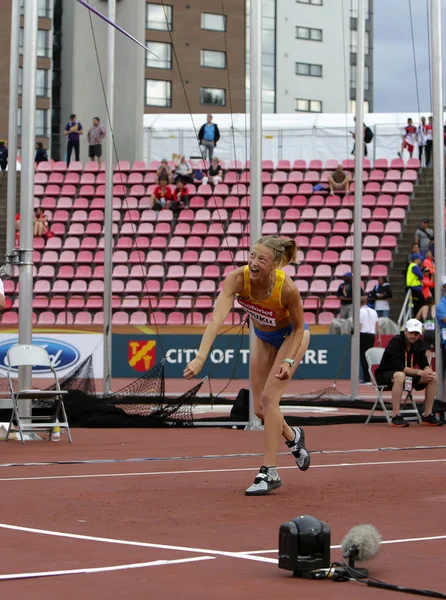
{"type": "Point", "coordinates": [255, 125]}
{"type": "Point", "coordinates": [27, 192]}
{"type": "Point", "coordinates": [12, 134]}
{"type": "Point", "coordinates": [438, 161]}
{"type": "Point", "coordinates": [359, 155]}
{"type": "Point", "coordinates": [108, 216]}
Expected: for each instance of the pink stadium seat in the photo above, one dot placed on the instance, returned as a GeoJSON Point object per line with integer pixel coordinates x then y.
{"type": "Point", "coordinates": [397, 214]}
{"type": "Point", "coordinates": [76, 166]}
{"type": "Point", "coordinates": [393, 227]}
{"type": "Point", "coordinates": [305, 271]}
{"type": "Point", "coordinates": [381, 163]}
{"type": "Point", "coordinates": [405, 187]}
{"type": "Point", "coordinates": [371, 187]}
{"type": "Point", "coordinates": [397, 163]}
{"type": "Point", "coordinates": [331, 303]}
{"type": "Point", "coordinates": [175, 318]}
{"type": "Point", "coordinates": [280, 201]}
{"type": "Point", "coordinates": [344, 214]}
{"type": "Point", "coordinates": [316, 201]}
{"type": "Point", "coordinates": [409, 175]}
{"type": "Point", "coordinates": [388, 241]}
{"type": "Point", "coordinates": [139, 166]}
{"type": "Point", "coordinates": [384, 200]}
{"type": "Point", "coordinates": [318, 241]}
{"type": "Point", "coordinates": [383, 256]}
{"type": "Point", "coordinates": [393, 175]}
{"type": "Point", "coordinates": [325, 318]}
{"type": "Point", "coordinates": [330, 257]}
{"type": "Point", "coordinates": [269, 229]}
{"type": "Point", "coordinates": [295, 177]}
{"type": "Point", "coordinates": [309, 214]}
{"type": "Point", "coordinates": [138, 318]}
{"type": "Point", "coordinates": [323, 271]}
{"type": "Point", "coordinates": [371, 241]}
{"type": "Point", "coordinates": [378, 271]}
{"type": "Point", "coordinates": [368, 200]}
{"type": "Point", "coordinates": [375, 228]}
{"type": "Point", "coordinates": [318, 286]}
{"type": "Point", "coordinates": [315, 165]}
{"type": "Point", "coordinates": [120, 318]}
{"type": "Point", "coordinates": [288, 229]}
{"type": "Point", "coordinates": [306, 189]}
{"type": "Point", "coordinates": [302, 285]}
{"type": "Point", "coordinates": [367, 256]}
{"type": "Point", "coordinates": [340, 227]}
{"type": "Point", "coordinates": [336, 241]}
{"type": "Point", "coordinates": [312, 177]}
{"type": "Point", "coordinates": [283, 165]}
{"type": "Point", "coordinates": [380, 214]}
{"type": "Point", "coordinates": [377, 175]}
{"type": "Point", "coordinates": [389, 187]}
{"type": "Point", "coordinates": [280, 177]}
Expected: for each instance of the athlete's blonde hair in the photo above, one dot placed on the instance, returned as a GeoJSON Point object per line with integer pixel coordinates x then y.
{"type": "Point", "coordinates": [284, 250]}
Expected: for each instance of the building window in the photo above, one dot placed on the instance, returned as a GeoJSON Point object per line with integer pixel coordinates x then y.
{"type": "Point", "coordinates": [213, 59]}
{"type": "Point", "coordinates": [161, 57]}
{"type": "Point", "coordinates": [353, 77]}
{"type": "Point", "coordinates": [214, 96]}
{"type": "Point", "coordinates": [309, 33]}
{"type": "Point", "coordinates": [213, 22]}
{"type": "Point", "coordinates": [43, 8]}
{"type": "Point", "coordinates": [313, 2]}
{"type": "Point", "coordinates": [308, 69]}
{"type": "Point", "coordinates": [41, 82]}
{"type": "Point", "coordinates": [41, 123]}
{"type": "Point", "coordinates": [353, 106]}
{"type": "Point", "coordinates": [354, 11]}
{"type": "Point", "coordinates": [159, 16]}
{"type": "Point", "coordinates": [43, 46]}
{"type": "Point", "coordinates": [354, 41]}
{"type": "Point", "coordinates": [158, 93]}
{"type": "Point", "coordinates": [314, 106]}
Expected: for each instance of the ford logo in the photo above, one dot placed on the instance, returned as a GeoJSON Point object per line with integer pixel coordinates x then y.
{"type": "Point", "coordinates": [62, 355]}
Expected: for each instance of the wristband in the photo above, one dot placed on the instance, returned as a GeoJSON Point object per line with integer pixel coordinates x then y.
{"type": "Point", "coordinates": [290, 361]}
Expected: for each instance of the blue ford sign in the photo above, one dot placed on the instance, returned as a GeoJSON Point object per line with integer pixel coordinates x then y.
{"type": "Point", "coordinates": [62, 355]}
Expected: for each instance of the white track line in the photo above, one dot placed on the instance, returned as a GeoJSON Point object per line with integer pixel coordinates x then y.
{"type": "Point", "coordinates": [155, 563]}
{"type": "Point", "coordinates": [402, 541]}
{"type": "Point", "coordinates": [199, 471]}
{"type": "Point", "coordinates": [91, 538]}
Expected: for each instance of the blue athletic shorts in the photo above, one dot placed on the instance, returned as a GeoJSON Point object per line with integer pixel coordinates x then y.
{"type": "Point", "coordinates": [276, 338]}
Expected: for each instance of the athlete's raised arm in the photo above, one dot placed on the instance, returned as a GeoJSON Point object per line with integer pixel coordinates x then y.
{"type": "Point", "coordinates": [233, 284]}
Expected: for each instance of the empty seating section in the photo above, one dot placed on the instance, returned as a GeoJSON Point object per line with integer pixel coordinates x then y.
{"type": "Point", "coordinates": [168, 270]}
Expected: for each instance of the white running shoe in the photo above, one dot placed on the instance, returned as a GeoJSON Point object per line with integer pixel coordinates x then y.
{"type": "Point", "coordinates": [298, 450]}
{"type": "Point", "coordinates": [266, 481]}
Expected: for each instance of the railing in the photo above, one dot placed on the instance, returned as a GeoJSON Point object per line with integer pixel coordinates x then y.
{"type": "Point", "coordinates": [406, 311]}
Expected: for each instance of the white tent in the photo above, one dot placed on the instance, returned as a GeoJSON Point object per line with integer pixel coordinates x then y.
{"type": "Point", "coordinates": [293, 136]}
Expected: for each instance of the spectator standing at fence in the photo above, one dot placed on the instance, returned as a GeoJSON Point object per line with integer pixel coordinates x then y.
{"type": "Point", "coordinates": [408, 142]}
{"type": "Point", "coordinates": [73, 131]}
{"type": "Point", "coordinates": [424, 237]}
{"type": "Point", "coordinates": [380, 295]}
{"type": "Point", "coordinates": [429, 132]}
{"type": "Point", "coordinates": [41, 154]}
{"type": "Point", "coordinates": [422, 139]}
{"type": "Point", "coordinates": [3, 157]}
{"type": "Point", "coordinates": [368, 137]}
{"type": "Point", "coordinates": [95, 135]}
{"type": "Point", "coordinates": [208, 137]}
{"type": "Point", "coordinates": [403, 368]}
{"type": "Point", "coordinates": [369, 329]}
{"type": "Point", "coordinates": [414, 279]}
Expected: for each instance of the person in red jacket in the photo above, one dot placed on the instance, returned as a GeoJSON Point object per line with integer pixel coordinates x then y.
{"type": "Point", "coordinates": [161, 195]}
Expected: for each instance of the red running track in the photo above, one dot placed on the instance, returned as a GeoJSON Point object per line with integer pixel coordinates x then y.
{"type": "Point", "coordinates": [197, 508]}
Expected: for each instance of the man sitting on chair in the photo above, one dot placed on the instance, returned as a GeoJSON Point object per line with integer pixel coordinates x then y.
{"type": "Point", "coordinates": [404, 367]}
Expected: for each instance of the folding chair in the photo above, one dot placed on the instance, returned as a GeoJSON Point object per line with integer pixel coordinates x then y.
{"type": "Point", "coordinates": [373, 357]}
{"type": "Point", "coordinates": [24, 355]}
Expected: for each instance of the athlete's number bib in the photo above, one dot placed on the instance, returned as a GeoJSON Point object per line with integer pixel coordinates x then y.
{"type": "Point", "coordinates": [429, 325]}
{"type": "Point", "coordinates": [265, 316]}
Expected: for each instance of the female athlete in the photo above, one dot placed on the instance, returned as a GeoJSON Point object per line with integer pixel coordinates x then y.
{"type": "Point", "coordinates": [272, 300]}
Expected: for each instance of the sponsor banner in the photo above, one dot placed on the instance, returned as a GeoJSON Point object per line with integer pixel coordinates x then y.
{"type": "Point", "coordinates": [328, 356]}
{"type": "Point", "coordinates": [66, 351]}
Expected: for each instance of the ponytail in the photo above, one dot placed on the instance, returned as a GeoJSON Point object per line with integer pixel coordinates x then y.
{"type": "Point", "coordinates": [284, 249]}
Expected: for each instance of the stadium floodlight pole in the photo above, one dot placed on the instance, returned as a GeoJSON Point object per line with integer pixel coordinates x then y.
{"type": "Point", "coordinates": [438, 160]}
{"type": "Point", "coordinates": [12, 134]}
{"type": "Point", "coordinates": [27, 193]}
{"type": "Point", "coordinates": [108, 214]}
{"type": "Point", "coordinates": [357, 236]}
{"type": "Point", "coordinates": [255, 124]}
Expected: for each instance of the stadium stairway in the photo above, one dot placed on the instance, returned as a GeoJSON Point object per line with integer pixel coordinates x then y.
{"type": "Point", "coordinates": [421, 207]}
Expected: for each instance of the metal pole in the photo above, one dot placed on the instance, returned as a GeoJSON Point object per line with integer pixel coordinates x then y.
{"type": "Point", "coordinates": [27, 192]}
{"type": "Point", "coordinates": [438, 161]}
{"type": "Point", "coordinates": [359, 155]}
{"type": "Point", "coordinates": [108, 215]}
{"type": "Point", "coordinates": [12, 133]}
{"type": "Point", "coordinates": [255, 124]}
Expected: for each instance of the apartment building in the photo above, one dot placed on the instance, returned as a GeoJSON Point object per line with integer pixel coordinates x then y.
{"type": "Point", "coordinates": [44, 70]}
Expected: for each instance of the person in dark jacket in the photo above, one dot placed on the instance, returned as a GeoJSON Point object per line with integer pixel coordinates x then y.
{"type": "Point", "coordinates": [208, 137]}
{"type": "Point", "coordinates": [41, 154]}
{"type": "Point", "coordinates": [404, 367]}
{"type": "Point", "coordinates": [3, 157]}
{"type": "Point", "coordinates": [380, 297]}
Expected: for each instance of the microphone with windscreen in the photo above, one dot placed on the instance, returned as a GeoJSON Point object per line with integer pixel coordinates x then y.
{"type": "Point", "coordinates": [360, 544]}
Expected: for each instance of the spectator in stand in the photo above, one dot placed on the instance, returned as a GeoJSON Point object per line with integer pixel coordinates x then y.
{"type": "Point", "coordinates": [345, 295]}
{"type": "Point", "coordinates": [208, 137]}
{"type": "Point", "coordinates": [339, 181]}
{"type": "Point", "coordinates": [95, 135]}
{"type": "Point", "coordinates": [369, 328]}
{"type": "Point", "coordinates": [424, 237]}
{"type": "Point", "coordinates": [422, 139]}
{"type": "Point", "coordinates": [414, 250]}
{"type": "Point", "coordinates": [164, 171]}
{"type": "Point", "coordinates": [3, 157]}
{"type": "Point", "coordinates": [40, 223]}
{"type": "Point", "coordinates": [429, 263]}
{"type": "Point", "coordinates": [426, 315]}
{"type": "Point", "coordinates": [408, 139]}
{"type": "Point", "coordinates": [404, 367]}
{"type": "Point", "coordinates": [183, 171]}
{"type": "Point", "coordinates": [427, 284]}
{"type": "Point", "coordinates": [161, 195]}
{"type": "Point", "coordinates": [41, 154]}
{"type": "Point", "coordinates": [414, 278]}
{"type": "Point", "coordinates": [73, 131]}
{"type": "Point", "coordinates": [440, 315]}
{"type": "Point", "coordinates": [180, 198]}
{"type": "Point", "coordinates": [429, 132]}
{"type": "Point", "coordinates": [215, 172]}
{"type": "Point", "coordinates": [380, 296]}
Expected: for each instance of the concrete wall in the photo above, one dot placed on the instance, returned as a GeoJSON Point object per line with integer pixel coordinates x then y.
{"type": "Point", "coordinates": [333, 88]}
{"type": "Point", "coordinates": [82, 91]}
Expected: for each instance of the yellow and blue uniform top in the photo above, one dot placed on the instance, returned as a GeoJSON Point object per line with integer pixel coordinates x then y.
{"type": "Point", "coordinates": [266, 312]}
